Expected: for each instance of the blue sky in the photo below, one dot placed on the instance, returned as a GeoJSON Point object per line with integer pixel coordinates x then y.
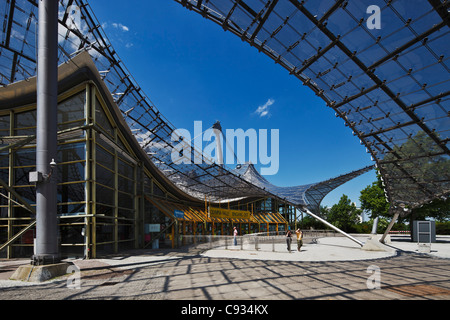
{"type": "Point", "coordinates": [192, 70]}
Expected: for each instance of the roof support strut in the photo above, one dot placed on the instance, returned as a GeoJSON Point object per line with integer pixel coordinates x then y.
{"type": "Point", "coordinates": [330, 225]}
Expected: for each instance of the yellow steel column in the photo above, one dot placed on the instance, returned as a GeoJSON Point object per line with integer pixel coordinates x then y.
{"type": "Point", "coordinates": [93, 163]}
{"type": "Point", "coordinates": [88, 178]}
{"type": "Point", "coordinates": [9, 252]}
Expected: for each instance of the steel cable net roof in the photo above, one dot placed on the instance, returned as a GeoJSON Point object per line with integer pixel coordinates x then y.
{"type": "Point", "coordinates": [79, 30]}
{"type": "Point", "coordinates": [309, 195]}
{"type": "Point", "coordinates": [389, 85]}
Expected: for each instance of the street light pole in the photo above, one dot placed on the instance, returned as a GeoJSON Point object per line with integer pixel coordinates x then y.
{"type": "Point", "coordinates": [46, 246]}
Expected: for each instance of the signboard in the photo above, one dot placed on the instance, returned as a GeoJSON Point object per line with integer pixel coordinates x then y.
{"type": "Point", "coordinates": [228, 214]}
{"type": "Point", "coordinates": [152, 228]}
{"type": "Point", "coordinates": [178, 214]}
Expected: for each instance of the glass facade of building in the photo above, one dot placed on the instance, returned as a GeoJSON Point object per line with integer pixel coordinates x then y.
{"type": "Point", "coordinates": [106, 192]}
{"type": "Point", "coordinates": [100, 179]}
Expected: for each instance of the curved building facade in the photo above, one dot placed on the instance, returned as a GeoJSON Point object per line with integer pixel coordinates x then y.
{"type": "Point", "coordinates": [111, 195]}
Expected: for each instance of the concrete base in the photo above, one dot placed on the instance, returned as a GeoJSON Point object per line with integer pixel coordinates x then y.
{"type": "Point", "coordinates": [30, 273]}
{"type": "Point", "coordinates": [424, 247]}
{"type": "Point", "coordinates": [374, 244]}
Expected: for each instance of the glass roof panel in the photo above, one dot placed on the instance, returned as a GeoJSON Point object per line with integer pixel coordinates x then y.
{"type": "Point", "coordinates": [390, 85]}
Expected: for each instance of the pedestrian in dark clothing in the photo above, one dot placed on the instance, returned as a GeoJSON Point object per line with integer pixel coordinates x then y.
{"type": "Point", "coordinates": [289, 240]}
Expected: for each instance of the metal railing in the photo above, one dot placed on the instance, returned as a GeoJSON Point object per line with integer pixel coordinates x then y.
{"type": "Point", "coordinates": [264, 241]}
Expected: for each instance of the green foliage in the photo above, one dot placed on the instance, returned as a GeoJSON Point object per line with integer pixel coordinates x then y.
{"type": "Point", "coordinates": [438, 209]}
{"type": "Point", "coordinates": [344, 214]}
{"type": "Point", "coordinates": [364, 227]}
{"type": "Point", "coordinates": [372, 199]}
{"type": "Point", "coordinates": [423, 168]}
{"type": "Point", "coordinates": [309, 222]}
{"type": "Point", "coordinates": [443, 228]}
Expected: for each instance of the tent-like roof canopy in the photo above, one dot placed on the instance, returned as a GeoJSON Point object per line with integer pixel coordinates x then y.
{"type": "Point", "coordinates": [388, 82]}
{"type": "Point", "coordinates": [309, 195]}
{"type": "Point", "coordinates": [80, 31]}
{"type": "Point", "coordinates": [390, 86]}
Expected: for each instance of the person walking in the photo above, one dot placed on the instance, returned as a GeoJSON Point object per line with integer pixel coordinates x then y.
{"type": "Point", "coordinates": [299, 234]}
{"type": "Point", "coordinates": [289, 240]}
{"type": "Point", "coordinates": [235, 233]}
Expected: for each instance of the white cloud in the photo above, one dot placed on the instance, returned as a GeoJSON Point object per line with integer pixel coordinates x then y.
{"type": "Point", "coordinates": [116, 36]}
{"type": "Point", "coordinates": [263, 110]}
{"type": "Point", "coordinates": [120, 26]}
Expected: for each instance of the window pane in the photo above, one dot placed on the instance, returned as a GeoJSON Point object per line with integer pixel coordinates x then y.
{"type": "Point", "coordinates": [71, 152]}
{"type": "Point", "coordinates": [71, 172]}
{"type": "Point", "coordinates": [104, 195]}
{"type": "Point", "coordinates": [25, 123]}
{"type": "Point", "coordinates": [71, 193]}
{"type": "Point", "coordinates": [105, 158]}
{"type": "Point", "coordinates": [104, 176]}
{"type": "Point", "coordinates": [25, 157]}
{"type": "Point", "coordinates": [101, 119]}
{"type": "Point", "coordinates": [70, 110]}
{"type": "Point", "coordinates": [4, 125]}
{"type": "Point", "coordinates": [125, 169]}
{"type": "Point", "coordinates": [71, 208]}
{"type": "Point", "coordinates": [125, 185]}
{"type": "Point", "coordinates": [125, 201]}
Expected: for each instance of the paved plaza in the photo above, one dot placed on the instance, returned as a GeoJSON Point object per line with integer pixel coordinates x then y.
{"type": "Point", "coordinates": [331, 269]}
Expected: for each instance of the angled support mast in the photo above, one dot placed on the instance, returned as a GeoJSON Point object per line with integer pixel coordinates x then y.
{"type": "Point", "coordinates": [331, 226]}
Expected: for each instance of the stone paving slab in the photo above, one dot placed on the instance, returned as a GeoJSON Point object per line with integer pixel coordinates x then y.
{"type": "Point", "coordinates": [193, 275]}
{"type": "Point", "coordinates": [327, 249]}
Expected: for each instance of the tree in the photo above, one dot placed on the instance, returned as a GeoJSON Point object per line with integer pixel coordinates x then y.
{"type": "Point", "coordinates": [438, 209]}
{"type": "Point", "coordinates": [417, 170]}
{"type": "Point", "coordinates": [344, 214]}
{"type": "Point", "coordinates": [309, 222]}
{"type": "Point", "coordinates": [372, 199]}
